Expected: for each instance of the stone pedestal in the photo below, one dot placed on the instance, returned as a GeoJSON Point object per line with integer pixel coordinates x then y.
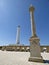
{"type": "Point", "coordinates": [35, 50]}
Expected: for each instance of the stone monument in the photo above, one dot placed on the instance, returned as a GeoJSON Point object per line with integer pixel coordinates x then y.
{"type": "Point", "coordinates": [34, 40]}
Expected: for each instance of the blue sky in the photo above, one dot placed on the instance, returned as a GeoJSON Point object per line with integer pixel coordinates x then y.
{"type": "Point", "coordinates": [16, 12]}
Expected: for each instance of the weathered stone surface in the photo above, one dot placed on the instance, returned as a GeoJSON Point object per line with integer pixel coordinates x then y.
{"type": "Point", "coordinates": [34, 40]}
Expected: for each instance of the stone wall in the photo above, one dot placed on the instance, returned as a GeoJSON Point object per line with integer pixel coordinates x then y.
{"type": "Point", "coordinates": [22, 48]}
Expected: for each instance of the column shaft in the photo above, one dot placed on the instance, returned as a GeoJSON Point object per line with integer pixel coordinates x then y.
{"type": "Point", "coordinates": [33, 29]}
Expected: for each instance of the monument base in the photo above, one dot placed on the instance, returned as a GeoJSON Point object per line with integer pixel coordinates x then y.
{"type": "Point", "coordinates": [35, 54]}
{"type": "Point", "coordinates": [36, 59]}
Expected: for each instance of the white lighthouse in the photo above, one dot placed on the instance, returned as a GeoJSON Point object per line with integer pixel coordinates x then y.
{"type": "Point", "coordinates": [18, 35]}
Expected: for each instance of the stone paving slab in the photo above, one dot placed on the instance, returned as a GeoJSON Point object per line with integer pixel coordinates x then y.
{"type": "Point", "coordinates": [20, 58]}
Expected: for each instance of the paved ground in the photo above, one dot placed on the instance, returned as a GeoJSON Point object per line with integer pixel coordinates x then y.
{"type": "Point", "coordinates": [19, 58]}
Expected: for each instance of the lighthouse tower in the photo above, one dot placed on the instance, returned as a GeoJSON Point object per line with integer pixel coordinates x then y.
{"type": "Point", "coordinates": [18, 35]}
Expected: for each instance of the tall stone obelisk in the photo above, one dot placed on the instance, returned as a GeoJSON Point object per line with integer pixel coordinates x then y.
{"type": "Point", "coordinates": [18, 36]}
{"type": "Point", "coordinates": [34, 40]}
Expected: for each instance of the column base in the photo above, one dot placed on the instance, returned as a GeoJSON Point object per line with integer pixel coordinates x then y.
{"type": "Point", "coordinates": [36, 59]}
